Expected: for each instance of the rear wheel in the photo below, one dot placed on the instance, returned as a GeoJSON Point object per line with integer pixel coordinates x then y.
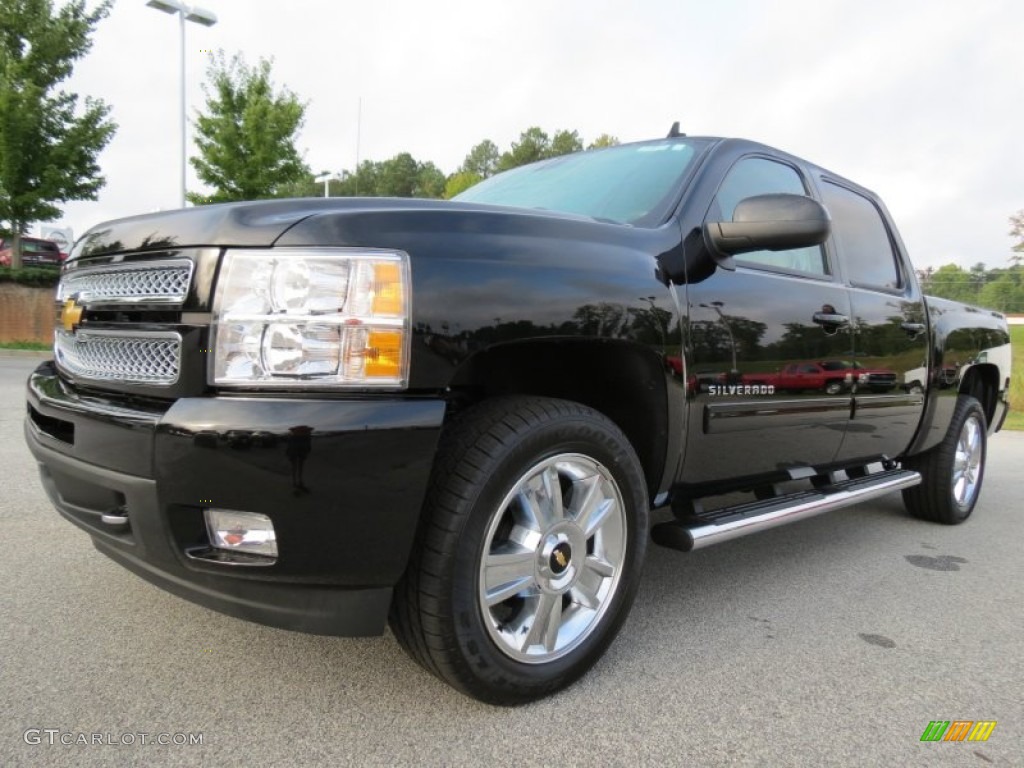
{"type": "Point", "coordinates": [530, 549]}
{"type": "Point", "coordinates": [952, 472]}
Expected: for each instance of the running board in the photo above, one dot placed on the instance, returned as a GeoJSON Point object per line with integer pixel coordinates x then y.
{"type": "Point", "coordinates": [739, 520]}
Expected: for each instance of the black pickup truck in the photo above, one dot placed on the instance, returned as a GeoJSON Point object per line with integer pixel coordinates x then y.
{"type": "Point", "coordinates": [464, 417]}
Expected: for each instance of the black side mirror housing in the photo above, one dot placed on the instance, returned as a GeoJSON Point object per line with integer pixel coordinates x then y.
{"type": "Point", "coordinates": [775, 222]}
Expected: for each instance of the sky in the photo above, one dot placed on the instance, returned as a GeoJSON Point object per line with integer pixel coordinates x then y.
{"type": "Point", "coordinates": [920, 101]}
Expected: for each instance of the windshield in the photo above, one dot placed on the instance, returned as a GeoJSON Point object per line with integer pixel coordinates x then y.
{"type": "Point", "coordinates": [628, 184]}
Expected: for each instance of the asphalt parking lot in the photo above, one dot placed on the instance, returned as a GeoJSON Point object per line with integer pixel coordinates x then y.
{"type": "Point", "coordinates": [829, 642]}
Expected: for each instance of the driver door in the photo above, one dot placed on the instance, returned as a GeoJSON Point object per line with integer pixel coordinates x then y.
{"type": "Point", "coordinates": [778, 311]}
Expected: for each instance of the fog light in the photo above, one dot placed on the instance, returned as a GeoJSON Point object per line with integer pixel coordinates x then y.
{"type": "Point", "coordinates": [241, 532]}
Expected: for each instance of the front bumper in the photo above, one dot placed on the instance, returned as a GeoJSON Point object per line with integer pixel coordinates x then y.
{"type": "Point", "coordinates": [343, 481]}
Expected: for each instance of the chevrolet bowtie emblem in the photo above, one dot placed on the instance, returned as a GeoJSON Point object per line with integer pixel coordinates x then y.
{"type": "Point", "coordinates": [560, 558]}
{"type": "Point", "coordinates": [70, 315]}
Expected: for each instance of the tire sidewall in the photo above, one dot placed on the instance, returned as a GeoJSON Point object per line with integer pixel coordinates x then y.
{"type": "Point", "coordinates": [968, 409]}
{"type": "Point", "coordinates": [581, 435]}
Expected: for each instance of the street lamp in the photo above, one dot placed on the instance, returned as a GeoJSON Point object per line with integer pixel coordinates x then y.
{"type": "Point", "coordinates": [657, 318]}
{"type": "Point", "coordinates": [717, 306]}
{"type": "Point", "coordinates": [199, 16]}
{"type": "Point", "coordinates": [326, 178]}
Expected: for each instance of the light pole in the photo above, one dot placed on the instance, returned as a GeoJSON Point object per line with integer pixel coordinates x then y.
{"type": "Point", "coordinates": [657, 318]}
{"type": "Point", "coordinates": [326, 178]}
{"type": "Point", "coordinates": [717, 306]}
{"type": "Point", "coordinates": [199, 16]}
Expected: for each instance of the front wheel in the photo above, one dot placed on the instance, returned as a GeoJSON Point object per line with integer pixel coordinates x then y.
{"type": "Point", "coordinates": [529, 552]}
{"type": "Point", "coordinates": [951, 473]}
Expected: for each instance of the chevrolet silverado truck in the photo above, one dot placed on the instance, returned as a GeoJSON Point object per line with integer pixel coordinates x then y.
{"type": "Point", "coordinates": [468, 418]}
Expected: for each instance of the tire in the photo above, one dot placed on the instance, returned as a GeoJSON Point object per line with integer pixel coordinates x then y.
{"type": "Point", "coordinates": [833, 388]}
{"type": "Point", "coordinates": [951, 472]}
{"type": "Point", "coordinates": [513, 592]}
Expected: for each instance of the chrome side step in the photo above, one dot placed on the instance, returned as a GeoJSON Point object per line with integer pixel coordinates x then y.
{"type": "Point", "coordinates": [732, 522]}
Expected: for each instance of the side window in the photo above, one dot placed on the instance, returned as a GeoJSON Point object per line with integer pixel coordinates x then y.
{"type": "Point", "coordinates": [862, 238]}
{"type": "Point", "coordinates": [760, 176]}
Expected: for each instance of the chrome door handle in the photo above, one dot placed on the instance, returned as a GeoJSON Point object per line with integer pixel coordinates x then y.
{"type": "Point", "coordinates": [829, 318]}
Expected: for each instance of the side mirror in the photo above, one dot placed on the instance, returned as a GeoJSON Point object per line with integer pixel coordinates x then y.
{"type": "Point", "coordinates": [775, 222]}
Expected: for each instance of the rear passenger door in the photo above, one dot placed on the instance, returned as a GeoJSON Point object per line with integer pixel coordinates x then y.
{"type": "Point", "coordinates": [888, 326]}
{"type": "Point", "coordinates": [776, 311]}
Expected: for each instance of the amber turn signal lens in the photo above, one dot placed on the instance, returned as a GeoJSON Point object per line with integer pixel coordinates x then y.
{"type": "Point", "coordinates": [383, 354]}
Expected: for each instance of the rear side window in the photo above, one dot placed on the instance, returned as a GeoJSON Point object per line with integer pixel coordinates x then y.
{"type": "Point", "coordinates": [759, 176]}
{"type": "Point", "coordinates": [862, 238]}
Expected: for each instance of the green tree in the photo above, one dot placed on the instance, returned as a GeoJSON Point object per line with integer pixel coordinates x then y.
{"type": "Point", "coordinates": [602, 319]}
{"type": "Point", "coordinates": [924, 277]}
{"type": "Point", "coordinates": [362, 183]}
{"type": "Point", "coordinates": [458, 182]}
{"type": "Point", "coordinates": [401, 176]}
{"type": "Point", "coordinates": [533, 145]}
{"type": "Point", "coordinates": [430, 181]}
{"type": "Point", "coordinates": [246, 139]}
{"type": "Point", "coordinates": [1005, 293]}
{"type": "Point", "coordinates": [951, 281]}
{"type": "Point", "coordinates": [565, 143]}
{"type": "Point", "coordinates": [48, 147]}
{"type": "Point", "coordinates": [602, 141]}
{"type": "Point", "coordinates": [482, 160]}
{"type": "Point", "coordinates": [307, 186]}
{"type": "Point", "coordinates": [979, 276]}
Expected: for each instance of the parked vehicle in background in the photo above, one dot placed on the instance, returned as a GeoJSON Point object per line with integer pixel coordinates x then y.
{"type": "Point", "coordinates": [864, 377]}
{"type": "Point", "coordinates": [35, 252]}
{"type": "Point", "coordinates": [829, 376]}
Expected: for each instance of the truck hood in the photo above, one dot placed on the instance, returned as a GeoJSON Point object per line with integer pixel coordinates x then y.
{"type": "Point", "coordinates": [262, 223]}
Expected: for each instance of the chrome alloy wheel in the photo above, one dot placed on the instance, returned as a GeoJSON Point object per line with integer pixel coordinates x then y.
{"type": "Point", "coordinates": [552, 558]}
{"type": "Point", "coordinates": [967, 461]}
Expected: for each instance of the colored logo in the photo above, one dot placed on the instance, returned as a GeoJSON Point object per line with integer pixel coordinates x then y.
{"type": "Point", "coordinates": [958, 730]}
{"type": "Point", "coordinates": [70, 315]}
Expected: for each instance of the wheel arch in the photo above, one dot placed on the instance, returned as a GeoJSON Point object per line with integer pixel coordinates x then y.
{"type": "Point", "coordinates": [626, 382]}
{"type": "Point", "coordinates": [981, 381]}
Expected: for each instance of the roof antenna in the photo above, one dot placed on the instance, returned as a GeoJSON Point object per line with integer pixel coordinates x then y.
{"type": "Point", "coordinates": [674, 131]}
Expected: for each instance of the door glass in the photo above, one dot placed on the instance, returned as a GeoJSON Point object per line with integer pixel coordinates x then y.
{"type": "Point", "coordinates": [758, 176]}
{"type": "Point", "coordinates": [862, 238]}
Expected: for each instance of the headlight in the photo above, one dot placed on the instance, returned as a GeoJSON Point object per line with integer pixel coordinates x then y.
{"type": "Point", "coordinates": [311, 318]}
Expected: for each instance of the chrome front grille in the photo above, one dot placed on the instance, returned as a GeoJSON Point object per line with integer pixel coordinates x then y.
{"type": "Point", "coordinates": [139, 357]}
{"type": "Point", "coordinates": [124, 355]}
{"type": "Point", "coordinates": [155, 282]}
